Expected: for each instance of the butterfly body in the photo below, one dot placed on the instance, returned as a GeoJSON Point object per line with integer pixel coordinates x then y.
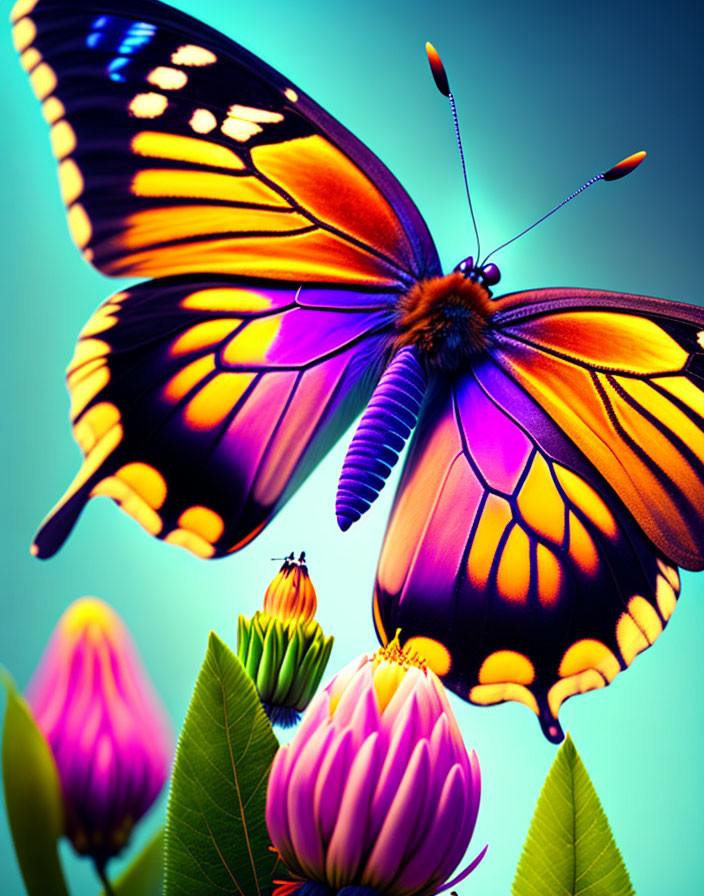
{"type": "Point", "coordinates": [555, 473]}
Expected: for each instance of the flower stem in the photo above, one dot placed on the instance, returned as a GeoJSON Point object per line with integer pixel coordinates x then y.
{"type": "Point", "coordinates": [107, 886]}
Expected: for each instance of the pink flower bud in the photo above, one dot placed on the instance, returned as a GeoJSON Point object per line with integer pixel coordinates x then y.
{"type": "Point", "coordinates": [376, 790]}
{"type": "Point", "coordinates": [106, 726]}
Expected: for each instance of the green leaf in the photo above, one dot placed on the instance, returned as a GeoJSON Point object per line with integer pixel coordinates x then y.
{"type": "Point", "coordinates": [570, 849]}
{"type": "Point", "coordinates": [216, 837]}
{"type": "Point", "coordinates": [144, 876]}
{"type": "Point", "coordinates": [32, 796]}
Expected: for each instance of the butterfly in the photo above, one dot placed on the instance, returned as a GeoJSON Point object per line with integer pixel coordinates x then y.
{"type": "Point", "coordinates": [555, 476]}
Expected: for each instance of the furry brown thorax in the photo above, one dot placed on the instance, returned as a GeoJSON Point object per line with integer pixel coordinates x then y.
{"type": "Point", "coordinates": [446, 318]}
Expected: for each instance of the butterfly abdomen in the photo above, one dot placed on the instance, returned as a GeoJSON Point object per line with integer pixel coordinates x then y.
{"type": "Point", "coordinates": [446, 319]}
{"type": "Point", "coordinates": [385, 426]}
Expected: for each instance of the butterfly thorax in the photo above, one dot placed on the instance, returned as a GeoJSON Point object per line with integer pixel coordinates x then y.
{"type": "Point", "coordinates": [446, 318]}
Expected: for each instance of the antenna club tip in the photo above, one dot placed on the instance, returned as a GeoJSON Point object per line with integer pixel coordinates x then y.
{"type": "Point", "coordinates": [438, 69]}
{"type": "Point", "coordinates": [625, 166]}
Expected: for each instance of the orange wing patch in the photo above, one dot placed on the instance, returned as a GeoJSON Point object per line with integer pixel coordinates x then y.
{"type": "Point", "coordinates": [623, 387]}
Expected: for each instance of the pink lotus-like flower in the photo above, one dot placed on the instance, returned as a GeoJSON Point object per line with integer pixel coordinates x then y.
{"type": "Point", "coordinates": [105, 725]}
{"type": "Point", "coordinates": [376, 791]}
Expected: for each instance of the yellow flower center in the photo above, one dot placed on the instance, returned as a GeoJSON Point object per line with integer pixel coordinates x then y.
{"type": "Point", "coordinates": [390, 665]}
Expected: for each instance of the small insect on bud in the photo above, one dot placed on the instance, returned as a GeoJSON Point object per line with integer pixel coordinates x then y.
{"type": "Point", "coordinates": [283, 649]}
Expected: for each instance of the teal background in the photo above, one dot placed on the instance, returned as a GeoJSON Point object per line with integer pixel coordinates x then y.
{"type": "Point", "coordinates": [548, 93]}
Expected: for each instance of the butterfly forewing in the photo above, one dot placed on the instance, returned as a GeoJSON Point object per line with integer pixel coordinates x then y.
{"type": "Point", "coordinates": [180, 152]}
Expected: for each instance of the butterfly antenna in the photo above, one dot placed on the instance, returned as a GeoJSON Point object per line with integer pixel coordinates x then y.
{"type": "Point", "coordinates": [443, 85]}
{"type": "Point", "coordinates": [623, 168]}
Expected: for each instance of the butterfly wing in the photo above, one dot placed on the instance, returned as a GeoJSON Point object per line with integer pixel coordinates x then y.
{"type": "Point", "coordinates": [623, 377]}
{"type": "Point", "coordinates": [200, 407]}
{"type": "Point", "coordinates": [508, 562]}
{"type": "Point", "coordinates": [182, 156]}
{"type": "Point", "coordinates": [180, 152]}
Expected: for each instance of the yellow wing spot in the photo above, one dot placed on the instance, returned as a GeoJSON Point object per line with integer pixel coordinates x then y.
{"type": "Point", "coordinates": [63, 139]}
{"type": "Point", "coordinates": [435, 654]}
{"type": "Point", "coordinates": [94, 424]}
{"type": "Point", "coordinates": [23, 34]}
{"type": "Point", "coordinates": [53, 110]}
{"type": "Point", "coordinates": [87, 350]}
{"type": "Point", "coordinates": [79, 225]}
{"type": "Point", "coordinates": [550, 576]}
{"type": "Point", "coordinates": [513, 576]}
{"type": "Point", "coordinates": [204, 185]}
{"type": "Point", "coordinates": [76, 376]}
{"type": "Point", "coordinates": [209, 333]}
{"type": "Point", "coordinates": [202, 521]}
{"type": "Point", "coordinates": [587, 500]}
{"type": "Point", "coordinates": [700, 338]}
{"type": "Point", "coordinates": [666, 597]}
{"type": "Point", "coordinates": [222, 299]}
{"type": "Point", "coordinates": [291, 95]}
{"type": "Point", "coordinates": [22, 8]}
{"type": "Point", "coordinates": [148, 105]}
{"type": "Point", "coordinates": [70, 181]}
{"type": "Point", "coordinates": [93, 461]}
{"type": "Point", "coordinates": [146, 481]}
{"type": "Point", "coordinates": [670, 573]}
{"type": "Point", "coordinates": [203, 121]}
{"type": "Point", "coordinates": [251, 345]}
{"type": "Point", "coordinates": [132, 503]}
{"type": "Point", "coordinates": [495, 517]}
{"type": "Point", "coordinates": [192, 542]}
{"type": "Point", "coordinates": [575, 684]}
{"type": "Point", "coordinates": [684, 389]}
{"type": "Point", "coordinates": [186, 379]}
{"type": "Point", "coordinates": [154, 144]}
{"type": "Point", "coordinates": [102, 320]}
{"type": "Point", "coordinates": [630, 638]}
{"type": "Point", "coordinates": [250, 113]}
{"type": "Point", "coordinates": [216, 399]}
{"type": "Point", "coordinates": [504, 666]}
{"type": "Point", "coordinates": [589, 654]}
{"type": "Point", "coordinates": [190, 54]}
{"type": "Point", "coordinates": [489, 694]}
{"type": "Point", "coordinates": [167, 78]}
{"type": "Point", "coordinates": [582, 548]}
{"type": "Point", "coordinates": [43, 80]}
{"type": "Point", "coordinates": [540, 503]}
{"type": "Point", "coordinates": [83, 392]}
{"type": "Point", "coordinates": [645, 616]}
{"type": "Point", "coordinates": [30, 59]}
{"type": "Point", "coordinates": [239, 129]}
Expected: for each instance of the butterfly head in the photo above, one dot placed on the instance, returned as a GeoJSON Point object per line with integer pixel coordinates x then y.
{"type": "Point", "coordinates": [487, 274]}
{"type": "Point", "coordinates": [446, 318]}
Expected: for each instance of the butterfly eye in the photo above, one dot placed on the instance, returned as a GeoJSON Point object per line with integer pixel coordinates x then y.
{"type": "Point", "coordinates": [465, 266]}
{"type": "Point", "coordinates": [491, 273]}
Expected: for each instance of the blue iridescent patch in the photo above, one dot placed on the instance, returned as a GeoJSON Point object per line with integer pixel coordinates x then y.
{"type": "Point", "coordinates": [111, 34]}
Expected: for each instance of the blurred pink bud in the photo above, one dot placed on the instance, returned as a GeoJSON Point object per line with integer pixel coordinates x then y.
{"type": "Point", "coordinates": [376, 791]}
{"type": "Point", "coordinates": [105, 724]}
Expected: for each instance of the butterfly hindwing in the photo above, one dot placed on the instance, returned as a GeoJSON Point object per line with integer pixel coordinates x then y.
{"type": "Point", "coordinates": [180, 152]}
{"type": "Point", "coordinates": [200, 406]}
{"type": "Point", "coordinates": [508, 562]}
{"type": "Point", "coordinates": [623, 377]}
